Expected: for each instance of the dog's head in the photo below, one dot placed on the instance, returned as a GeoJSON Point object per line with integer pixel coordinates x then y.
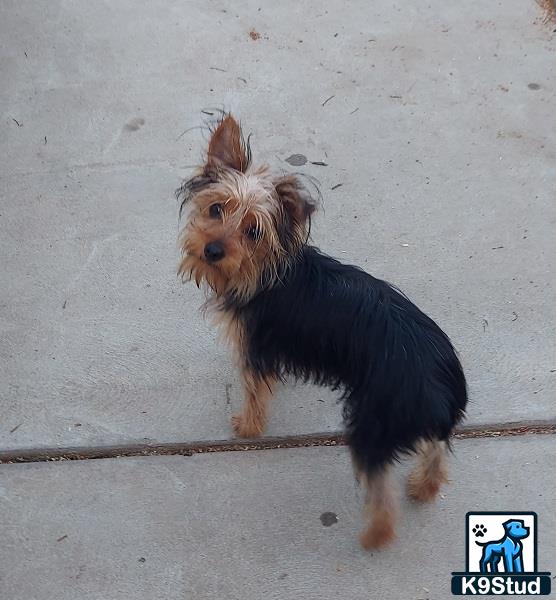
{"type": "Point", "coordinates": [516, 529]}
{"type": "Point", "coordinates": [244, 226]}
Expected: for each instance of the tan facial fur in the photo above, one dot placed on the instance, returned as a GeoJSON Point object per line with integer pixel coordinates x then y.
{"type": "Point", "coordinates": [258, 221]}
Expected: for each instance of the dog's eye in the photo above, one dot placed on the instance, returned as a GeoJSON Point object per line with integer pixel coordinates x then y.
{"type": "Point", "coordinates": [215, 210]}
{"type": "Point", "coordinates": [253, 233]}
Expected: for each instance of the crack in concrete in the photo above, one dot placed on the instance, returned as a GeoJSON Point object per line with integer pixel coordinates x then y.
{"type": "Point", "coordinates": [267, 443]}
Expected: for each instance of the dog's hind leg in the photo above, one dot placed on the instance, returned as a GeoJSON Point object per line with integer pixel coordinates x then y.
{"type": "Point", "coordinates": [430, 472]}
{"type": "Point", "coordinates": [381, 508]}
{"type": "Point", "coordinates": [486, 561]}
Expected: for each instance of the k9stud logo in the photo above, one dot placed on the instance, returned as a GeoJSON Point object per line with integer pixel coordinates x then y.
{"type": "Point", "coordinates": [501, 556]}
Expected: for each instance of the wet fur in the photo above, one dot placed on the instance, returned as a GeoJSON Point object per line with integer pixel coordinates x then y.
{"type": "Point", "coordinates": [291, 310]}
{"type": "Point", "coordinates": [398, 374]}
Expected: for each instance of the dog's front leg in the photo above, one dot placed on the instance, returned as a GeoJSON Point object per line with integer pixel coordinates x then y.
{"type": "Point", "coordinates": [508, 559]}
{"type": "Point", "coordinates": [258, 391]}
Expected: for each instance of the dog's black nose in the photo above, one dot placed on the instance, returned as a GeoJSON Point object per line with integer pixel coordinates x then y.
{"type": "Point", "coordinates": [214, 251]}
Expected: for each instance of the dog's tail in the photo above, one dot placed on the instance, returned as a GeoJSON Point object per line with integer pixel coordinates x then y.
{"type": "Point", "coordinates": [489, 542]}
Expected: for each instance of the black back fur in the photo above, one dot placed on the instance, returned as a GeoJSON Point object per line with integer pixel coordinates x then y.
{"type": "Point", "coordinates": [336, 325]}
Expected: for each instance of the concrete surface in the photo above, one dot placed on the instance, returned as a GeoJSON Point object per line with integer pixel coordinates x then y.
{"type": "Point", "coordinates": [438, 125]}
{"type": "Point", "coordinates": [247, 525]}
{"type": "Point", "coordinates": [436, 119]}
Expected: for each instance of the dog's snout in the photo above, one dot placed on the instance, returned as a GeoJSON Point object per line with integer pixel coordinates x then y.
{"type": "Point", "coordinates": [214, 251]}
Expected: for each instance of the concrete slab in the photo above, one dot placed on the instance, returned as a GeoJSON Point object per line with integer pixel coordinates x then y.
{"type": "Point", "coordinates": [441, 147]}
{"type": "Point", "coordinates": [247, 525]}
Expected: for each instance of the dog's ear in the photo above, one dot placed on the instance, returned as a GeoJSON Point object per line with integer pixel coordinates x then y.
{"type": "Point", "coordinates": [508, 524]}
{"type": "Point", "coordinates": [295, 199]}
{"type": "Point", "coordinates": [227, 148]}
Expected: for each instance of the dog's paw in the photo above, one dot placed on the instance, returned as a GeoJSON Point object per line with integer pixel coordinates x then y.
{"type": "Point", "coordinates": [245, 428]}
{"type": "Point", "coordinates": [479, 530]}
{"type": "Point", "coordinates": [377, 536]}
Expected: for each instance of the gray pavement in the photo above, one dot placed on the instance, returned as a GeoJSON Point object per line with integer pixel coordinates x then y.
{"type": "Point", "coordinates": [447, 163]}
{"type": "Point", "coordinates": [435, 122]}
{"type": "Point", "coordinates": [247, 525]}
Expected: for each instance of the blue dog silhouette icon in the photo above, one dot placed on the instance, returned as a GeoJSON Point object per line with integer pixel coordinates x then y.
{"type": "Point", "coordinates": [509, 548]}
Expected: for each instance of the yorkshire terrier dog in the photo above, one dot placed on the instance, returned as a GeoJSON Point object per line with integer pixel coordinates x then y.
{"type": "Point", "coordinates": [289, 309]}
